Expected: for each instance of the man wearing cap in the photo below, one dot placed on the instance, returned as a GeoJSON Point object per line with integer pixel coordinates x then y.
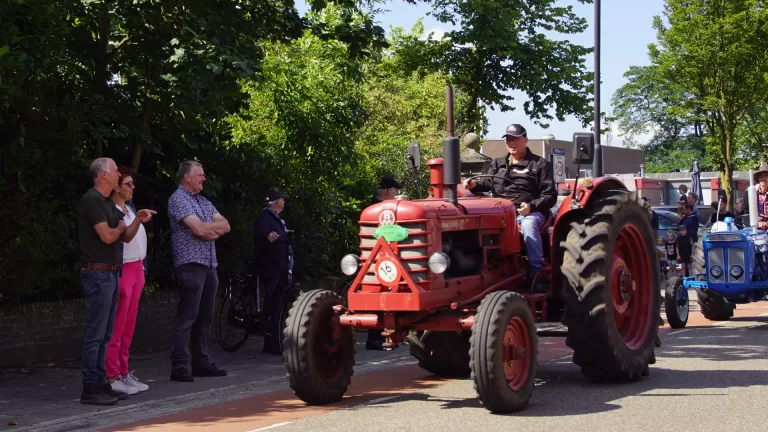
{"type": "Point", "coordinates": [274, 256]}
{"type": "Point", "coordinates": [761, 178]}
{"type": "Point", "coordinates": [529, 184]}
{"type": "Point", "coordinates": [195, 226]}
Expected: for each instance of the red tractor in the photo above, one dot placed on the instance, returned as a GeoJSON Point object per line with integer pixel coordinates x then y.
{"type": "Point", "coordinates": [448, 274]}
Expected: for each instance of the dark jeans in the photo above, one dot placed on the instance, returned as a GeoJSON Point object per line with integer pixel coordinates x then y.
{"type": "Point", "coordinates": [274, 296]}
{"type": "Point", "coordinates": [197, 298]}
{"type": "Point", "coordinates": [101, 293]}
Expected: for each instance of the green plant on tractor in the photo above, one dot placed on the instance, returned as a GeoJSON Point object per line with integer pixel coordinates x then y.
{"type": "Point", "coordinates": [448, 274]}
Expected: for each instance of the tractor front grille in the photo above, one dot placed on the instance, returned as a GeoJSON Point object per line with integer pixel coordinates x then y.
{"type": "Point", "coordinates": [725, 258]}
{"type": "Point", "coordinates": [412, 251]}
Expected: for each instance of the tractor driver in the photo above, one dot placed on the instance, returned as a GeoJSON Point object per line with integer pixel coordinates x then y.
{"type": "Point", "coordinates": [530, 185]}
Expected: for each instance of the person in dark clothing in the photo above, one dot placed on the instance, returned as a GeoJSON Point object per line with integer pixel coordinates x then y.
{"type": "Point", "coordinates": [274, 257]}
{"type": "Point", "coordinates": [670, 249]}
{"type": "Point", "coordinates": [387, 189]}
{"type": "Point", "coordinates": [691, 223]}
{"type": "Point", "coordinates": [529, 183]}
{"type": "Point", "coordinates": [719, 214]}
{"type": "Point", "coordinates": [685, 250]}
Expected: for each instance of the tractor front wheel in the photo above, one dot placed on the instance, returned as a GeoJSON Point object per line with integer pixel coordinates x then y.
{"type": "Point", "coordinates": [319, 353]}
{"type": "Point", "coordinates": [503, 352]}
{"type": "Point", "coordinates": [676, 303]}
{"type": "Point", "coordinates": [611, 292]}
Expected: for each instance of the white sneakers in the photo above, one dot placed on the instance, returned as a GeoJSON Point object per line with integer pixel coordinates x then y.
{"type": "Point", "coordinates": [129, 384]}
{"type": "Point", "coordinates": [131, 380]}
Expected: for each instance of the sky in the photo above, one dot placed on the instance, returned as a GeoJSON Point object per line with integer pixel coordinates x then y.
{"type": "Point", "coordinates": [626, 31]}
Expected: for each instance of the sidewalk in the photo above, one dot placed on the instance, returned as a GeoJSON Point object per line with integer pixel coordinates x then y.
{"type": "Point", "coordinates": [48, 397]}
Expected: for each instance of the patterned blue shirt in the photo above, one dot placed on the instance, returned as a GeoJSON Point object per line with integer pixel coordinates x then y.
{"type": "Point", "coordinates": [186, 247]}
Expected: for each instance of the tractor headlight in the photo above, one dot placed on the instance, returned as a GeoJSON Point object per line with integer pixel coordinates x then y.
{"type": "Point", "coordinates": [736, 271]}
{"type": "Point", "coordinates": [716, 272]}
{"type": "Point", "coordinates": [439, 262]}
{"type": "Point", "coordinates": [349, 264]}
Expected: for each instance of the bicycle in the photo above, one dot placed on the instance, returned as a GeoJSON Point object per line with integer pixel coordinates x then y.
{"type": "Point", "coordinates": [240, 313]}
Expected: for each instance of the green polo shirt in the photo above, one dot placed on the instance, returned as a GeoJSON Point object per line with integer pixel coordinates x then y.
{"type": "Point", "coordinates": [95, 208]}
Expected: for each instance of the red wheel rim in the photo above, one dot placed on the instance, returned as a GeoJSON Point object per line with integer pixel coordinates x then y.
{"type": "Point", "coordinates": [631, 279]}
{"type": "Point", "coordinates": [516, 353]}
{"type": "Point", "coordinates": [329, 354]}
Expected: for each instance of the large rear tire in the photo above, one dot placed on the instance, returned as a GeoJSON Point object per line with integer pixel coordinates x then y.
{"type": "Point", "coordinates": [611, 290]}
{"type": "Point", "coordinates": [446, 353]}
{"type": "Point", "coordinates": [503, 352]}
{"type": "Point", "coordinates": [713, 306]}
{"type": "Point", "coordinates": [319, 367]}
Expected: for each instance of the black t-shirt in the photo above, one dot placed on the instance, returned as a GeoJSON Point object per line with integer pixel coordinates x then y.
{"type": "Point", "coordinates": [722, 217]}
{"type": "Point", "coordinates": [684, 248]}
{"type": "Point", "coordinates": [93, 209]}
{"type": "Point", "coordinates": [671, 249]}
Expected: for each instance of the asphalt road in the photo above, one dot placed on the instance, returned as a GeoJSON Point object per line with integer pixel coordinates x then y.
{"type": "Point", "coordinates": [709, 375]}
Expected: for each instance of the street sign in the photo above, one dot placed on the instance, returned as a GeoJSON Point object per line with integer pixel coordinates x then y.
{"type": "Point", "coordinates": [558, 165]}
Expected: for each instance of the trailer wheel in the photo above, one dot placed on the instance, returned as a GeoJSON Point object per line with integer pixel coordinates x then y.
{"type": "Point", "coordinates": [503, 352]}
{"type": "Point", "coordinates": [446, 353]}
{"type": "Point", "coordinates": [611, 290]}
{"type": "Point", "coordinates": [713, 306]}
{"type": "Point", "coordinates": [319, 367]}
{"type": "Point", "coordinates": [676, 303]}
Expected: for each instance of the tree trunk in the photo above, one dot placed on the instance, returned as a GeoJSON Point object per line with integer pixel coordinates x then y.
{"type": "Point", "coordinates": [726, 179]}
{"type": "Point", "coordinates": [100, 64]}
{"type": "Point", "coordinates": [146, 116]}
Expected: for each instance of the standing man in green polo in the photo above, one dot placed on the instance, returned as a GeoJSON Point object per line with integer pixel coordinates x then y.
{"type": "Point", "coordinates": [100, 230]}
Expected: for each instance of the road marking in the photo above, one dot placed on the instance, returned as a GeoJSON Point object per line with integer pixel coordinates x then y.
{"type": "Point", "coordinates": [763, 314]}
{"type": "Point", "coordinates": [680, 331]}
{"type": "Point", "coordinates": [276, 425]}
{"type": "Point", "coordinates": [379, 400]}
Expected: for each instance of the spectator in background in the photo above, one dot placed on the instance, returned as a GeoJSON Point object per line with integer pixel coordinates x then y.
{"type": "Point", "coordinates": [652, 214]}
{"type": "Point", "coordinates": [761, 178]}
{"type": "Point", "coordinates": [670, 250]}
{"type": "Point", "coordinates": [685, 250]}
{"type": "Point", "coordinates": [195, 226]}
{"type": "Point", "coordinates": [100, 229]}
{"type": "Point", "coordinates": [131, 283]}
{"type": "Point", "coordinates": [683, 190]}
{"type": "Point", "coordinates": [720, 212]}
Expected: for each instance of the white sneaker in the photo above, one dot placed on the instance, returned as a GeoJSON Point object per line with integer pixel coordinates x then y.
{"type": "Point", "coordinates": [121, 386]}
{"type": "Point", "coordinates": [134, 382]}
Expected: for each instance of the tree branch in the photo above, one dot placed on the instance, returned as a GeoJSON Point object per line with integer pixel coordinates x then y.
{"type": "Point", "coordinates": [118, 46]}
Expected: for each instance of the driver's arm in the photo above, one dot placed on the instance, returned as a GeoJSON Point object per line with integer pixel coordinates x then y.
{"type": "Point", "coordinates": [484, 184]}
{"type": "Point", "coordinates": [547, 192]}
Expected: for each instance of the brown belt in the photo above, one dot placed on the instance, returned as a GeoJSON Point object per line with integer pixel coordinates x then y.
{"type": "Point", "coordinates": [105, 267]}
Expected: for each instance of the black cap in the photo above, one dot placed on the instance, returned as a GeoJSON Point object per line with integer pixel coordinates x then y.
{"type": "Point", "coordinates": [274, 194]}
{"type": "Point", "coordinates": [388, 182]}
{"type": "Point", "coordinates": [515, 130]}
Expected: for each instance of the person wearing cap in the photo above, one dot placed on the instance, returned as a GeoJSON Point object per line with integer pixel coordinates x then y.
{"type": "Point", "coordinates": [761, 178]}
{"type": "Point", "coordinates": [195, 226]}
{"type": "Point", "coordinates": [529, 183]}
{"type": "Point", "coordinates": [387, 189]}
{"type": "Point", "coordinates": [273, 254]}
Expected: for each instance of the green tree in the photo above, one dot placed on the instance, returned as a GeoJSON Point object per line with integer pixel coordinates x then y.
{"type": "Point", "coordinates": [500, 46]}
{"type": "Point", "coordinates": [715, 50]}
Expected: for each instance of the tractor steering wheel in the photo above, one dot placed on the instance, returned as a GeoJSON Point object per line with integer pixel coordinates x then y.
{"type": "Point", "coordinates": [491, 176]}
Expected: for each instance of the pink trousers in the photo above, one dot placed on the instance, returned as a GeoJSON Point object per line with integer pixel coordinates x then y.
{"type": "Point", "coordinates": [131, 284]}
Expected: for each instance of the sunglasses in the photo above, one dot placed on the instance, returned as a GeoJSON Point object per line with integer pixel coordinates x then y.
{"type": "Point", "coordinates": [129, 184]}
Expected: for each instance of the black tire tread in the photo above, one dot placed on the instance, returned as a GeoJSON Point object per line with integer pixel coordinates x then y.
{"type": "Point", "coordinates": [492, 316]}
{"type": "Point", "coordinates": [446, 354]}
{"type": "Point", "coordinates": [300, 327]}
{"type": "Point", "coordinates": [670, 304]}
{"type": "Point", "coordinates": [598, 347]}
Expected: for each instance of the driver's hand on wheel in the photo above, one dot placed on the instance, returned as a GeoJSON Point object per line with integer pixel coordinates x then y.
{"type": "Point", "coordinates": [524, 209]}
{"type": "Point", "coordinates": [470, 183]}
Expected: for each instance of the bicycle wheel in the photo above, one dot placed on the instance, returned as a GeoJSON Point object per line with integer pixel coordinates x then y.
{"type": "Point", "coordinates": [232, 321]}
{"type": "Point", "coordinates": [289, 297]}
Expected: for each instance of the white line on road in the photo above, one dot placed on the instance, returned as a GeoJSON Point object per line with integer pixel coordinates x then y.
{"type": "Point", "coordinates": [276, 425]}
{"type": "Point", "coordinates": [763, 314]}
{"type": "Point", "coordinates": [380, 400]}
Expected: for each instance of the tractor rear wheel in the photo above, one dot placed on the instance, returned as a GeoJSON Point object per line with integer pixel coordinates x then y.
{"type": "Point", "coordinates": [676, 303]}
{"type": "Point", "coordinates": [503, 352]}
{"type": "Point", "coordinates": [446, 353]}
{"type": "Point", "coordinates": [611, 290]}
{"type": "Point", "coordinates": [713, 306]}
{"type": "Point", "coordinates": [319, 354]}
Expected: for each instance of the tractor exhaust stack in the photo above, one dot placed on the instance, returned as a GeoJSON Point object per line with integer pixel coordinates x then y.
{"type": "Point", "coordinates": [451, 152]}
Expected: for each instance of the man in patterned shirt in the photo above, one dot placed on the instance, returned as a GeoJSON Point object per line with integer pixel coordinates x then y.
{"type": "Point", "coordinates": [195, 225]}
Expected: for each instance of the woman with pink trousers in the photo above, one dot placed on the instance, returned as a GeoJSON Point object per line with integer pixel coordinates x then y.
{"type": "Point", "coordinates": [131, 284]}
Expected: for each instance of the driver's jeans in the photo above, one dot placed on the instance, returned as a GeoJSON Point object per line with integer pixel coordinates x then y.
{"type": "Point", "coordinates": [531, 226]}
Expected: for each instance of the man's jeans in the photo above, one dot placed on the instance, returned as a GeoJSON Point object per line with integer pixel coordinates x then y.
{"type": "Point", "coordinates": [531, 226]}
{"type": "Point", "coordinates": [197, 298]}
{"type": "Point", "coordinates": [101, 293]}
